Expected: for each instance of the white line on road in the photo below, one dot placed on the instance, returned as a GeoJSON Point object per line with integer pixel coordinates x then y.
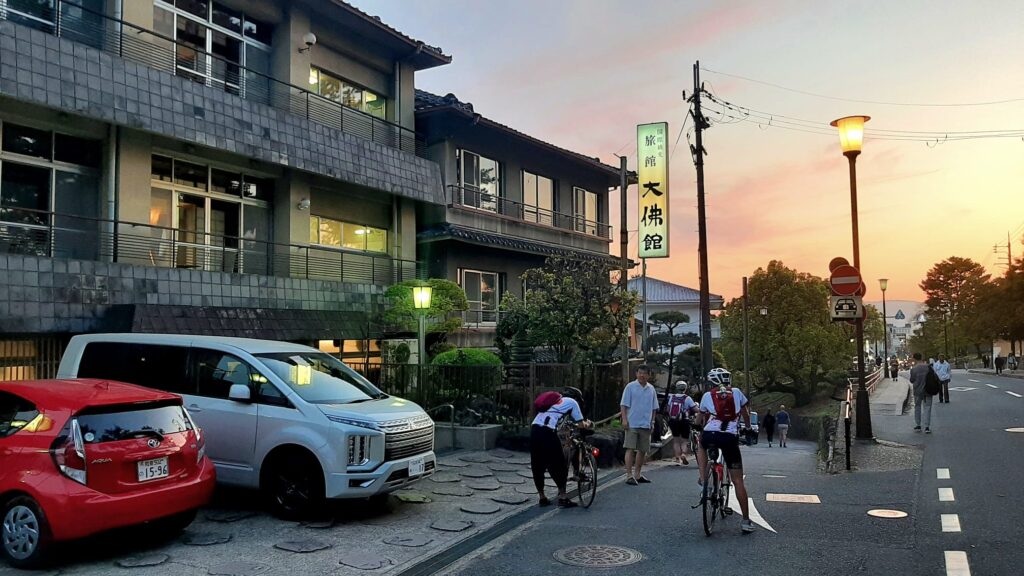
{"type": "Point", "coordinates": [942, 473]}
{"type": "Point", "coordinates": [946, 495]}
{"type": "Point", "coordinates": [956, 563]}
{"type": "Point", "coordinates": [755, 516]}
{"type": "Point", "coordinates": [1014, 394]}
{"type": "Point", "coordinates": [950, 523]}
{"type": "Point", "coordinates": [992, 386]}
{"type": "Point", "coordinates": [793, 498]}
{"type": "Point", "coordinates": [973, 380]}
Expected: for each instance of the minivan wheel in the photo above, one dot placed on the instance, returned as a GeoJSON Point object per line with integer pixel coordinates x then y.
{"type": "Point", "coordinates": [295, 486]}
{"type": "Point", "coordinates": [25, 535]}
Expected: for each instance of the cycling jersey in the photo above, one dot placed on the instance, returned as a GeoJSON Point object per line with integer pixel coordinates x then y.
{"type": "Point", "coordinates": [565, 406]}
{"type": "Point", "coordinates": [707, 405]}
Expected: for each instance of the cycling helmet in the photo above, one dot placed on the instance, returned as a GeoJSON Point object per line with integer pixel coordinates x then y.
{"type": "Point", "coordinates": [681, 385]}
{"type": "Point", "coordinates": [720, 377]}
{"type": "Point", "coordinates": [574, 393]}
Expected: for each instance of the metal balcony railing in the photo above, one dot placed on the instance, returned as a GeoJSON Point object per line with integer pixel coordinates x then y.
{"type": "Point", "coordinates": [49, 234]}
{"type": "Point", "coordinates": [69, 20]}
{"type": "Point", "coordinates": [472, 197]}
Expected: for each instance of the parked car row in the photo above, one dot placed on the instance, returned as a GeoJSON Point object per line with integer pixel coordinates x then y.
{"type": "Point", "coordinates": [134, 428]}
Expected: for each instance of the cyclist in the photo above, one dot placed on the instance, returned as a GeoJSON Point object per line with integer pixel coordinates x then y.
{"type": "Point", "coordinates": [547, 452]}
{"type": "Point", "coordinates": [723, 407]}
{"type": "Point", "coordinates": [680, 407]}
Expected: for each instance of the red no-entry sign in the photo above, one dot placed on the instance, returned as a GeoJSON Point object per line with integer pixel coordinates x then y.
{"type": "Point", "coordinates": [845, 280]}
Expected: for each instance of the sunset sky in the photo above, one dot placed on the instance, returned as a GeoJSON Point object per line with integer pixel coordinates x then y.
{"type": "Point", "coordinates": [582, 73]}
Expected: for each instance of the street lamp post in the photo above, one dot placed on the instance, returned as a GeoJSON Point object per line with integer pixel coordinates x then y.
{"type": "Point", "coordinates": [746, 346]}
{"type": "Point", "coordinates": [883, 283]}
{"type": "Point", "coordinates": [421, 296]}
{"type": "Point", "coordinates": [851, 138]}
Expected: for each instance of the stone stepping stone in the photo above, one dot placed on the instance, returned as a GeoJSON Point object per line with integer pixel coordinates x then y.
{"type": "Point", "coordinates": [228, 516]}
{"type": "Point", "coordinates": [237, 569]}
{"type": "Point", "coordinates": [525, 474]}
{"type": "Point", "coordinates": [511, 499]}
{"type": "Point", "coordinates": [444, 478]}
{"type": "Point", "coordinates": [503, 468]}
{"type": "Point", "coordinates": [205, 539]}
{"type": "Point", "coordinates": [452, 525]}
{"type": "Point", "coordinates": [480, 508]}
{"type": "Point", "coordinates": [501, 454]}
{"type": "Point", "coordinates": [526, 489]}
{"type": "Point", "coordinates": [475, 459]}
{"type": "Point", "coordinates": [476, 474]}
{"type": "Point", "coordinates": [452, 491]}
{"type": "Point", "coordinates": [302, 546]}
{"type": "Point", "coordinates": [486, 486]}
{"type": "Point", "coordinates": [408, 541]}
{"type": "Point", "coordinates": [509, 479]}
{"type": "Point", "coordinates": [518, 460]}
{"type": "Point", "coordinates": [413, 497]}
{"type": "Point", "coordinates": [453, 464]}
{"type": "Point", "coordinates": [365, 561]}
{"type": "Point", "coordinates": [143, 561]}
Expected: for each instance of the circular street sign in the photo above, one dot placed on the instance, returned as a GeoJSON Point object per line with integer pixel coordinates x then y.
{"type": "Point", "coordinates": [863, 290]}
{"type": "Point", "coordinates": [837, 262]}
{"type": "Point", "coordinates": [845, 281]}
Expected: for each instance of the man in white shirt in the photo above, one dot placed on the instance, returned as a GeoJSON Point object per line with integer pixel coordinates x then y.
{"type": "Point", "coordinates": [723, 407]}
{"type": "Point", "coordinates": [637, 409]}
{"type": "Point", "coordinates": [942, 370]}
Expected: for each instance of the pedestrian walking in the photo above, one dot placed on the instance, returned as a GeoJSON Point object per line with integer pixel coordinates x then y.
{"type": "Point", "coordinates": [894, 368]}
{"type": "Point", "coordinates": [945, 374]}
{"type": "Point", "coordinates": [769, 426]}
{"type": "Point", "coordinates": [782, 424]}
{"type": "Point", "coordinates": [919, 376]}
{"type": "Point", "coordinates": [637, 410]}
{"type": "Point", "coordinates": [679, 407]}
{"type": "Point", "coordinates": [1000, 363]}
{"type": "Point", "coordinates": [1011, 362]}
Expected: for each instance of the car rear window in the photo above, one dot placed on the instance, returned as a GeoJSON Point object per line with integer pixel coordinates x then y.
{"type": "Point", "coordinates": [15, 413]}
{"type": "Point", "coordinates": [110, 424]}
{"type": "Point", "coordinates": [150, 365]}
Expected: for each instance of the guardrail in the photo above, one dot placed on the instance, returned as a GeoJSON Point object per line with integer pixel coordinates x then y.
{"type": "Point", "coordinates": [483, 200]}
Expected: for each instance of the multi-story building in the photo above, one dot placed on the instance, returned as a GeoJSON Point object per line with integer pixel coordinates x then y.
{"type": "Point", "coordinates": [511, 201]}
{"type": "Point", "coordinates": [238, 167]}
{"type": "Point", "coordinates": [663, 296]}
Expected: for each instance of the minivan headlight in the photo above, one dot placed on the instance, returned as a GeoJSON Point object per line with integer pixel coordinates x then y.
{"type": "Point", "coordinates": [351, 422]}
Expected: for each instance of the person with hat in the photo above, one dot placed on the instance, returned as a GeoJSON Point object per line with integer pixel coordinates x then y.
{"type": "Point", "coordinates": [680, 407]}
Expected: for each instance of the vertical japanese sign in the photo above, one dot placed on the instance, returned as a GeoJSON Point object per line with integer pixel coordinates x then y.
{"type": "Point", "coordinates": [652, 157]}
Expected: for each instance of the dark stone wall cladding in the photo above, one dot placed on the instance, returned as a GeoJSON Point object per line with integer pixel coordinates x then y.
{"type": "Point", "coordinates": [57, 295]}
{"type": "Point", "coordinates": [44, 69]}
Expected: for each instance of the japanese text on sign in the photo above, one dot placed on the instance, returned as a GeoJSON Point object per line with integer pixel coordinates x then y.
{"type": "Point", "coordinates": [652, 150]}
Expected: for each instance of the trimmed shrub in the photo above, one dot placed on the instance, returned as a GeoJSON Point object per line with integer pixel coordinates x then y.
{"type": "Point", "coordinates": [467, 357]}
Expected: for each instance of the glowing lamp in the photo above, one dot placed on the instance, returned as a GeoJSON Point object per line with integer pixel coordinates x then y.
{"type": "Point", "coordinates": [851, 133]}
{"type": "Point", "coordinates": [421, 297]}
{"type": "Point", "coordinates": [883, 283]}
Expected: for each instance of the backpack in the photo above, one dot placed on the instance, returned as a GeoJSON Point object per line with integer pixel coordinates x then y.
{"type": "Point", "coordinates": [676, 405]}
{"type": "Point", "coordinates": [932, 385]}
{"type": "Point", "coordinates": [545, 400]}
{"type": "Point", "coordinates": [725, 405]}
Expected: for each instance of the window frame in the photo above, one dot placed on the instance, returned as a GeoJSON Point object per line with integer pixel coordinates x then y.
{"type": "Point", "coordinates": [481, 312]}
{"type": "Point", "coordinates": [343, 82]}
{"type": "Point", "coordinates": [342, 224]}
{"type": "Point", "coordinates": [583, 224]}
{"type": "Point", "coordinates": [480, 199]}
{"type": "Point", "coordinates": [539, 218]}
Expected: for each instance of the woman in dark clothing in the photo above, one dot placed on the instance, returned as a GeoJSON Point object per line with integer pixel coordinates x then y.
{"type": "Point", "coordinates": [769, 426]}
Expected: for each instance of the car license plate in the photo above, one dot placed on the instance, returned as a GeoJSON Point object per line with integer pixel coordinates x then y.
{"type": "Point", "coordinates": [153, 469]}
{"type": "Point", "coordinates": [416, 466]}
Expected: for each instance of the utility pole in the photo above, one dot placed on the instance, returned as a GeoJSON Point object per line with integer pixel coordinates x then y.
{"type": "Point", "coordinates": [624, 257]}
{"type": "Point", "coordinates": [746, 345]}
{"type": "Point", "coordinates": [643, 296]}
{"type": "Point", "coordinates": [706, 357]}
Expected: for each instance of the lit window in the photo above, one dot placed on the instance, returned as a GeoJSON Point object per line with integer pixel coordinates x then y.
{"type": "Point", "coordinates": [347, 94]}
{"type": "Point", "coordinates": [348, 235]}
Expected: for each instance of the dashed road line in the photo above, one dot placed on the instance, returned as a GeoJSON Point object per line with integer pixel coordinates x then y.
{"type": "Point", "coordinates": [992, 386]}
{"type": "Point", "coordinates": [973, 380]}
{"type": "Point", "coordinates": [793, 498]}
{"type": "Point", "coordinates": [1014, 394]}
{"type": "Point", "coordinates": [942, 473]}
{"type": "Point", "coordinates": [946, 495]}
{"type": "Point", "coordinates": [950, 523]}
{"type": "Point", "coordinates": [956, 563]}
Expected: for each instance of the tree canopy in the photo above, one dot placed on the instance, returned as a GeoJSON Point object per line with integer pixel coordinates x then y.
{"type": "Point", "coordinates": [665, 340]}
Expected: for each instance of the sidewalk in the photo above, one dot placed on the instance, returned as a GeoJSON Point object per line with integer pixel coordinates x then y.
{"type": "Point", "coordinates": [890, 396]}
{"type": "Point", "coordinates": [1018, 374]}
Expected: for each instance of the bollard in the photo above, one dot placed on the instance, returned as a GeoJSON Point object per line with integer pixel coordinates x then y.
{"type": "Point", "coordinates": [847, 425]}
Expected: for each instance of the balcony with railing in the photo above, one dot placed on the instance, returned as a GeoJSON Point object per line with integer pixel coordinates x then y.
{"type": "Point", "coordinates": [67, 19]}
{"type": "Point", "coordinates": [527, 219]}
{"type": "Point", "coordinates": [54, 235]}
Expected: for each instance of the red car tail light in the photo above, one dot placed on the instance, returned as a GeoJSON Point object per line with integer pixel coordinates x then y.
{"type": "Point", "coordinates": [68, 452]}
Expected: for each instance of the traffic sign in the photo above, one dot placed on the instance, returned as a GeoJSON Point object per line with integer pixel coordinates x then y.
{"type": "Point", "coordinates": [863, 290]}
{"type": "Point", "coordinates": [845, 280]}
{"type": "Point", "coordinates": [837, 262]}
{"type": "Point", "coordinates": [846, 307]}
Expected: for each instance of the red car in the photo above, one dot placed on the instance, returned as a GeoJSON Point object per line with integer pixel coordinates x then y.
{"type": "Point", "coordinates": [79, 457]}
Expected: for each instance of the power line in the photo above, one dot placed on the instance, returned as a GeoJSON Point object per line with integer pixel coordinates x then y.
{"type": "Point", "coordinates": [858, 101]}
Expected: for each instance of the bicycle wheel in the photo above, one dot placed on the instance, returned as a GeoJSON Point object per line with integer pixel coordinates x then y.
{"type": "Point", "coordinates": [586, 480]}
{"type": "Point", "coordinates": [709, 500]}
{"type": "Point", "coordinates": [726, 487]}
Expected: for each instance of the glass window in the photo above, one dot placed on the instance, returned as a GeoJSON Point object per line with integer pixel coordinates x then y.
{"type": "Point", "coordinates": [22, 190]}
{"type": "Point", "coordinates": [191, 175]}
{"type": "Point", "coordinates": [330, 232]}
{"type": "Point", "coordinates": [483, 178]}
{"type": "Point", "coordinates": [227, 18]}
{"type": "Point", "coordinates": [132, 423]}
{"type": "Point", "coordinates": [258, 188]}
{"type": "Point", "coordinates": [74, 150]}
{"type": "Point", "coordinates": [163, 22]}
{"type": "Point", "coordinates": [225, 182]}
{"type": "Point", "coordinates": [327, 232]}
{"type": "Point", "coordinates": [585, 206]}
{"type": "Point", "coordinates": [538, 194]}
{"type": "Point", "coordinates": [191, 38]}
{"type": "Point", "coordinates": [154, 366]}
{"type": "Point", "coordinates": [482, 295]}
{"type": "Point", "coordinates": [320, 378]}
{"type": "Point", "coordinates": [215, 372]}
{"type": "Point", "coordinates": [27, 141]}
{"type": "Point", "coordinates": [374, 105]}
{"type": "Point", "coordinates": [162, 168]}
{"type": "Point", "coordinates": [15, 413]}
{"type": "Point", "coordinates": [199, 8]}
{"type": "Point", "coordinates": [39, 14]}
{"type": "Point", "coordinates": [76, 196]}
{"type": "Point", "coordinates": [258, 30]}
{"type": "Point", "coordinates": [228, 51]}
{"type": "Point", "coordinates": [353, 236]}
{"type": "Point", "coordinates": [376, 240]}
{"type": "Point", "coordinates": [347, 94]}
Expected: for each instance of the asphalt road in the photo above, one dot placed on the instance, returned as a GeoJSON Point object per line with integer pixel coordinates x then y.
{"type": "Point", "coordinates": [835, 537]}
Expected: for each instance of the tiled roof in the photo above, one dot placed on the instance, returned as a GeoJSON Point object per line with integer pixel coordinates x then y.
{"type": "Point", "coordinates": [667, 292]}
{"type": "Point", "coordinates": [262, 323]}
{"type": "Point", "coordinates": [454, 232]}
{"type": "Point", "coordinates": [435, 51]}
{"type": "Point", "coordinates": [426, 101]}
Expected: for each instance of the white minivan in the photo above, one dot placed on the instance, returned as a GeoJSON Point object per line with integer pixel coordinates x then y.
{"type": "Point", "coordinates": [288, 419]}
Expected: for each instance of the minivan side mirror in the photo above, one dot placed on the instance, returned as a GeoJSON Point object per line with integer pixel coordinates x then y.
{"type": "Point", "coordinates": [240, 393]}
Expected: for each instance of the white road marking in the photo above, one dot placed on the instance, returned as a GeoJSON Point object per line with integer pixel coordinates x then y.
{"type": "Point", "coordinates": [950, 523]}
{"type": "Point", "coordinates": [963, 388]}
{"type": "Point", "coordinates": [1015, 429]}
{"type": "Point", "coordinates": [755, 516]}
{"type": "Point", "coordinates": [793, 498]}
{"type": "Point", "coordinates": [992, 386]}
{"type": "Point", "coordinates": [956, 563]}
{"type": "Point", "coordinates": [772, 476]}
{"type": "Point", "coordinates": [1014, 394]}
{"type": "Point", "coordinates": [942, 473]}
{"type": "Point", "coordinates": [946, 495]}
{"type": "Point", "coordinates": [973, 380]}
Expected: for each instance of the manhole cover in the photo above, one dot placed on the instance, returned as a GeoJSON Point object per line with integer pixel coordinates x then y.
{"type": "Point", "coordinates": [1015, 429]}
{"type": "Point", "coordinates": [143, 561]}
{"type": "Point", "coordinates": [598, 556]}
{"type": "Point", "coordinates": [881, 513]}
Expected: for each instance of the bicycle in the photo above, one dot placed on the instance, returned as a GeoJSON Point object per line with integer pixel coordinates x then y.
{"type": "Point", "coordinates": [584, 465]}
{"type": "Point", "coordinates": [714, 499]}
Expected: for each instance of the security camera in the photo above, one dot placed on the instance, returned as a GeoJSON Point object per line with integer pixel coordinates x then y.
{"type": "Point", "coordinates": [310, 40]}
{"type": "Point", "coordinates": [304, 204]}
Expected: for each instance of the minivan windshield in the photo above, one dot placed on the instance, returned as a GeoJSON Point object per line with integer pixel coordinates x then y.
{"type": "Point", "coordinates": [320, 378]}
